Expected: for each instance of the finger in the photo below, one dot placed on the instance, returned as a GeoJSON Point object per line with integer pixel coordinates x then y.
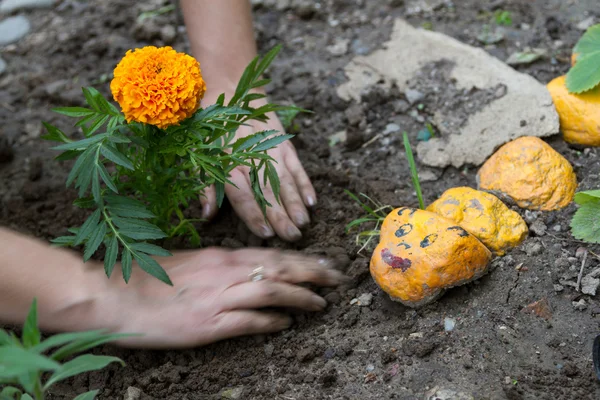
{"type": "Point", "coordinates": [279, 219]}
{"type": "Point", "coordinates": [245, 205]}
{"type": "Point", "coordinates": [208, 199]}
{"type": "Point", "coordinates": [266, 293]}
{"type": "Point", "coordinates": [245, 322]}
{"type": "Point", "coordinates": [287, 267]}
{"type": "Point", "coordinates": [303, 183]}
{"type": "Point", "coordinates": [290, 197]}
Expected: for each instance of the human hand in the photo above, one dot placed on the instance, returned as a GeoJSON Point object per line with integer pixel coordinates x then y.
{"type": "Point", "coordinates": [297, 193]}
{"type": "Point", "coordinates": [213, 296]}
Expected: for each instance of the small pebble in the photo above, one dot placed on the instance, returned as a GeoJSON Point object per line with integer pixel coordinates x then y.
{"type": "Point", "coordinates": [449, 324]}
{"type": "Point", "coordinates": [558, 288]}
{"type": "Point", "coordinates": [580, 305]}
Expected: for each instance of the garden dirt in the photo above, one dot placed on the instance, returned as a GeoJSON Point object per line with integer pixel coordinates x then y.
{"type": "Point", "coordinates": [478, 341]}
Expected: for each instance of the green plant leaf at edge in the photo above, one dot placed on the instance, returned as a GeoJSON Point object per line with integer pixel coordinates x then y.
{"type": "Point", "coordinates": [585, 75]}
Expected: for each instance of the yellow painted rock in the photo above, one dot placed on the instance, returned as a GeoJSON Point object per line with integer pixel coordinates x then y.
{"type": "Point", "coordinates": [421, 254]}
{"type": "Point", "coordinates": [484, 216]}
{"type": "Point", "coordinates": [532, 173]}
{"type": "Point", "coordinates": [579, 113]}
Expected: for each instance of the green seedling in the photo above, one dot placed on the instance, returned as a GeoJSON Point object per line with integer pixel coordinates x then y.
{"type": "Point", "coordinates": [414, 174]}
{"type": "Point", "coordinates": [155, 13]}
{"type": "Point", "coordinates": [375, 214]}
{"type": "Point", "coordinates": [503, 17]}
{"type": "Point", "coordinates": [585, 224]}
{"type": "Point", "coordinates": [287, 118]}
{"type": "Point", "coordinates": [30, 366]}
{"type": "Point", "coordinates": [585, 74]}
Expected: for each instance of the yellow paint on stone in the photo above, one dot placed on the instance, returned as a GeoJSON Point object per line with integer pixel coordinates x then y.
{"type": "Point", "coordinates": [579, 113]}
{"type": "Point", "coordinates": [484, 216]}
{"type": "Point", "coordinates": [532, 173]}
{"type": "Point", "coordinates": [421, 254]}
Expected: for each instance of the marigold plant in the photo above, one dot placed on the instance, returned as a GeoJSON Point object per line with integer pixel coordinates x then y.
{"type": "Point", "coordinates": [140, 168]}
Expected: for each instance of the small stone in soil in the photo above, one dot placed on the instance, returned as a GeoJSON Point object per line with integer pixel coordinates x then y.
{"type": "Point", "coordinates": [413, 96]}
{"type": "Point", "coordinates": [580, 305]}
{"type": "Point", "coordinates": [558, 288]}
{"type": "Point", "coordinates": [365, 299]}
{"type": "Point", "coordinates": [233, 393]}
{"type": "Point", "coordinates": [533, 249]}
{"type": "Point", "coordinates": [540, 308]}
{"type": "Point", "coordinates": [13, 29]}
{"type": "Point", "coordinates": [562, 262]}
{"type": "Point", "coordinates": [132, 393]}
{"type": "Point", "coordinates": [339, 48]}
{"type": "Point", "coordinates": [538, 227]}
{"type": "Point", "coordinates": [449, 324]}
{"type": "Point", "coordinates": [589, 285]}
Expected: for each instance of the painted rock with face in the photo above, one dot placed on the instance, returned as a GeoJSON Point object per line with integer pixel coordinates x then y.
{"type": "Point", "coordinates": [530, 172]}
{"type": "Point", "coordinates": [421, 254]}
{"type": "Point", "coordinates": [484, 216]}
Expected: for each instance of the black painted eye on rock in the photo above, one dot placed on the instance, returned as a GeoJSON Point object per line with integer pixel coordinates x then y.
{"type": "Point", "coordinates": [460, 230]}
{"type": "Point", "coordinates": [404, 230]}
{"type": "Point", "coordinates": [429, 240]}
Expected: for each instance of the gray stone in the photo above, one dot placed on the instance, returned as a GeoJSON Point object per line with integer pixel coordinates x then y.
{"type": "Point", "coordinates": [401, 59]}
{"type": "Point", "coordinates": [13, 29]}
{"type": "Point", "coordinates": [538, 227]}
{"type": "Point", "coordinates": [132, 393]}
{"type": "Point", "coordinates": [233, 393]}
{"type": "Point", "coordinates": [391, 128]}
{"type": "Point", "coordinates": [339, 48]}
{"type": "Point", "coordinates": [580, 305]}
{"type": "Point", "coordinates": [533, 249]}
{"type": "Point", "coordinates": [365, 299]}
{"type": "Point", "coordinates": [8, 6]}
{"type": "Point", "coordinates": [449, 324]}
{"type": "Point", "coordinates": [413, 96]}
{"type": "Point", "coordinates": [2, 66]}
{"type": "Point", "coordinates": [586, 23]}
{"type": "Point", "coordinates": [168, 33]}
{"type": "Point", "coordinates": [589, 285]}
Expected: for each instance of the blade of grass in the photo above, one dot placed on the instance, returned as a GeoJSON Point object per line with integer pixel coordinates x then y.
{"type": "Point", "coordinates": [413, 171]}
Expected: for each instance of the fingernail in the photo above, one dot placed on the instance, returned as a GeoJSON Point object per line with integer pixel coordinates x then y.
{"type": "Point", "coordinates": [319, 303]}
{"type": "Point", "coordinates": [302, 219]}
{"type": "Point", "coordinates": [206, 211]}
{"type": "Point", "coordinates": [311, 201]}
{"type": "Point", "coordinates": [294, 233]}
{"type": "Point", "coordinates": [267, 231]}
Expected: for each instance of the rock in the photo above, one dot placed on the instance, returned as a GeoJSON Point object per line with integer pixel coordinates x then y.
{"type": "Point", "coordinates": [365, 300]}
{"type": "Point", "coordinates": [401, 106]}
{"type": "Point", "coordinates": [391, 128]}
{"type": "Point", "coordinates": [446, 394]}
{"type": "Point", "coordinates": [354, 114]}
{"type": "Point", "coordinates": [562, 263]}
{"type": "Point", "coordinates": [530, 172]}
{"type": "Point", "coordinates": [8, 6]}
{"type": "Point", "coordinates": [538, 227]}
{"type": "Point", "coordinates": [168, 34]}
{"type": "Point", "coordinates": [579, 113]}
{"type": "Point", "coordinates": [233, 393]}
{"type": "Point", "coordinates": [580, 305]}
{"type": "Point", "coordinates": [402, 58]}
{"type": "Point", "coordinates": [449, 324]}
{"type": "Point", "coordinates": [531, 216]}
{"type": "Point", "coordinates": [586, 23]}
{"type": "Point", "coordinates": [2, 66]}
{"type": "Point", "coordinates": [484, 216]}
{"type": "Point", "coordinates": [589, 285]}
{"type": "Point", "coordinates": [13, 29]}
{"type": "Point", "coordinates": [132, 393]}
{"type": "Point", "coordinates": [541, 308]}
{"type": "Point", "coordinates": [339, 48]}
{"type": "Point", "coordinates": [413, 96]}
{"type": "Point", "coordinates": [533, 249]}
{"type": "Point", "coordinates": [427, 175]}
{"type": "Point", "coordinates": [558, 288]}
{"type": "Point", "coordinates": [421, 254]}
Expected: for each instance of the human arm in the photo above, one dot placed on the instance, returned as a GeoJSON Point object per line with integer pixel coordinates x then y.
{"type": "Point", "coordinates": [222, 39]}
{"type": "Point", "coordinates": [212, 297]}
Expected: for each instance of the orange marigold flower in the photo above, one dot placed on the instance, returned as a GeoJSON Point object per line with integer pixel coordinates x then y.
{"type": "Point", "coordinates": [158, 86]}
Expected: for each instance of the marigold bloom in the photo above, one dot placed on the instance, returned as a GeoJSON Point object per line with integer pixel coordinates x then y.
{"type": "Point", "coordinates": [158, 86]}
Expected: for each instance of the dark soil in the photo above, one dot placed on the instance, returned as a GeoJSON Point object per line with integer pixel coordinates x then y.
{"type": "Point", "coordinates": [384, 350]}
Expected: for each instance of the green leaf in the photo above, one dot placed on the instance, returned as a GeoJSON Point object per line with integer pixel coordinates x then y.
{"type": "Point", "coordinates": [83, 162]}
{"type": "Point", "coordinates": [127, 207]}
{"type": "Point", "coordinates": [126, 265]}
{"type": "Point", "coordinates": [81, 364]}
{"type": "Point", "coordinates": [267, 60]}
{"type": "Point", "coordinates": [152, 267]}
{"type": "Point", "coordinates": [272, 142]}
{"type": "Point", "coordinates": [151, 249]}
{"type": "Point", "coordinates": [110, 258]}
{"type": "Point", "coordinates": [585, 224]}
{"type": "Point", "coordinates": [95, 125]}
{"type": "Point", "coordinates": [92, 339]}
{"type": "Point", "coordinates": [590, 196]}
{"type": "Point", "coordinates": [413, 171]}
{"type": "Point", "coordinates": [106, 178]}
{"type": "Point", "coordinates": [63, 338]}
{"type": "Point", "coordinates": [96, 188]}
{"type": "Point", "coordinates": [138, 229]}
{"type": "Point", "coordinates": [73, 111]}
{"type": "Point", "coordinates": [91, 395]}
{"type": "Point", "coordinates": [95, 240]}
{"type": "Point", "coordinates": [64, 241]}
{"type": "Point", "coordinates": [88, 227]}
{"type": "Point", "coordinates": [84, 203]}
{"type": "Point", "coordinates": [15, 361]}
{"type": "Point", "coordinates": [220, 193]}
{"type": "Point", "coordinates": [4, 338]}
{"type": "Point", "coordinates": [26, 397]}
{"type": "Point", "coordinates": [81, 144]}
{"type": "Point", "coordinates": [247, 142]}
{"type": "Point", "coordinates": [91, 97]}
{"type": "Point", "coordinates": [54, 134]}
{"type": "Point", "coordinates": [68, 155]}
{"type": "Point", "coordinates": [10, 393]}
{"type": "Point", "coordinates": [589, 42]}
{"type": "Point", "coordinates": [271, 175]}
{"type": "Point", "coordinates": [111, 152]}
{"type": "Point", "coordinates": [585, 75]}
{"type": "Point", "coordinates": [31, 333]}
